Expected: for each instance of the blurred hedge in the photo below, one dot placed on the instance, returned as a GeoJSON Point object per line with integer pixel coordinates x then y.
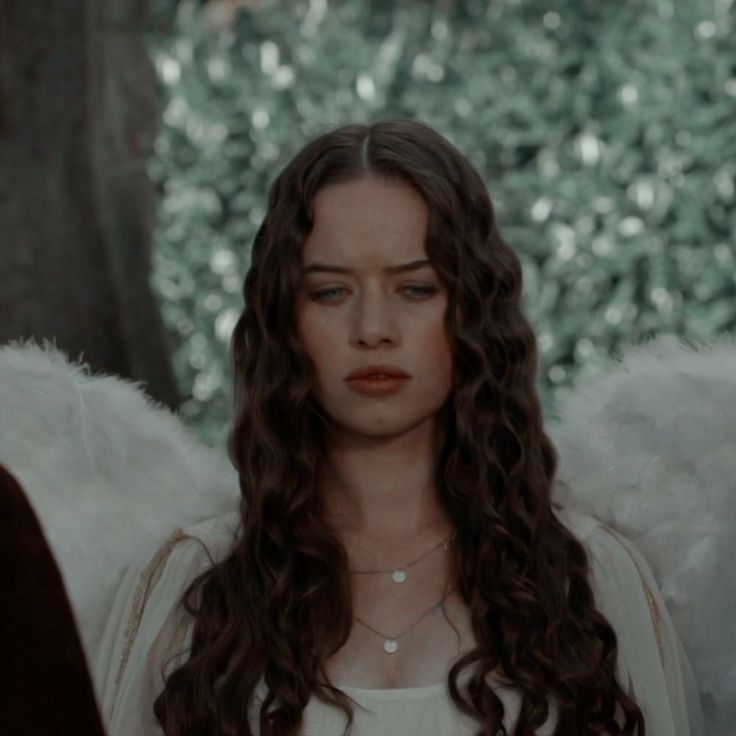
{"type": "Point", "coordinates": [605, 132]}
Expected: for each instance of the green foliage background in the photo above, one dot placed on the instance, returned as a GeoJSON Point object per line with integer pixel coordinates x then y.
{"type": "Point", "coordinates": [605, 132]}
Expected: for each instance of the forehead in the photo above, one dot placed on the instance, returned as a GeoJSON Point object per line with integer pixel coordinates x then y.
{"type": "Point", "coordinates": [367, 219]}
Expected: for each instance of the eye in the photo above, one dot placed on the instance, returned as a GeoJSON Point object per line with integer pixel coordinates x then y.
{"type": "Point", "coordinates": [422, 290]}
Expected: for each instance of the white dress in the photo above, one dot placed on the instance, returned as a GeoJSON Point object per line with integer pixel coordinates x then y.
{"type": "Point", "coordinates": [144, 622]}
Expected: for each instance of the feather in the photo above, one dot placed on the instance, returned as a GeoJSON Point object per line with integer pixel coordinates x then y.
{"type": "Point", "coordinates": [649, 447]}
{"type": "Point", "coordinates": [105, 468]}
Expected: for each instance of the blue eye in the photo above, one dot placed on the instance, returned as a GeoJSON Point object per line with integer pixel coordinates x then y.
{"type": "Point", "coordinates": [424, 291]}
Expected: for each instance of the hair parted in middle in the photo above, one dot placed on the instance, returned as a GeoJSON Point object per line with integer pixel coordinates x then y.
{"type": "Point", "coordinates": [279, 605]}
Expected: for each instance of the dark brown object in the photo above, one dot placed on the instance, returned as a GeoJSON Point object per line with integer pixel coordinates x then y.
{"type": "Point", "coordinates": [79, 112]}
{"type": "Point", "coordinates": [45, 685]}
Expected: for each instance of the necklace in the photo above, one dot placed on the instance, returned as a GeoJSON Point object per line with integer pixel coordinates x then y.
{"type": "Point", "coordinates": [398, 575]}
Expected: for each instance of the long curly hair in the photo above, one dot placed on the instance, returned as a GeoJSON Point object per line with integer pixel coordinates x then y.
{"type": "Point", "coordinates": [279, 605]}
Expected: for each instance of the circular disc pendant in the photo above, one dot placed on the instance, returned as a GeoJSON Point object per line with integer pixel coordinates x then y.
{"type": "Point", "coordinates": [390, 645]}
{"type": "Point", "coordinates": [398, 576]}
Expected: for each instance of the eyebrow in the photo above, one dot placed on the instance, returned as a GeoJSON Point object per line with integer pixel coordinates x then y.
{"type": "Point", "coordinates": [400, 268]}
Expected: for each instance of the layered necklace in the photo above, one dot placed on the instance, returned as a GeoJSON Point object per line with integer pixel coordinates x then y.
{"type": "Point", "coordinates": [399, 575]}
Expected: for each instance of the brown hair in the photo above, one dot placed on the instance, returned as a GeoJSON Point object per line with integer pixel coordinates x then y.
{"type": "Point", "coordinates": [279, 606]}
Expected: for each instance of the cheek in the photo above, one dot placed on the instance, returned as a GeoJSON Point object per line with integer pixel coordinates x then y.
{"type": "Point", "coordinates": [307, 334]}
{"type": "Point", "coordinates": [439, 352]}
{"type": "Point", "coordinates": [317, 338]}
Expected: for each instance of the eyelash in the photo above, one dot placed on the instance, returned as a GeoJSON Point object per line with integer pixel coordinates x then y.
{"type": "Point", "coordinates": [425, 290]}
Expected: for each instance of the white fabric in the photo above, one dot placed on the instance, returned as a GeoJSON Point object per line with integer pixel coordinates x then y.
{"type": "Point", "coordinates": [144, 627]}
{"type": "Point", "coordinates": [646, 445]}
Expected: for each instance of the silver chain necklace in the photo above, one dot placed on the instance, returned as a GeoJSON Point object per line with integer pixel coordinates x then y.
{"type": "Point", "coordinates": [398, 575]}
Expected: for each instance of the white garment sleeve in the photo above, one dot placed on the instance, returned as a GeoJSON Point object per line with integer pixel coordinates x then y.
{"type": "Point", "coordinates": [144, 629]}
{"type": "Point", "coordinates": [652, 664]}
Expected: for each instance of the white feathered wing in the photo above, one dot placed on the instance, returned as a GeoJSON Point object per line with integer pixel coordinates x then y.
{"type": "Point", "coordinates": [106, 470]}
{"type": "Point", "coordinates": [649, 448]}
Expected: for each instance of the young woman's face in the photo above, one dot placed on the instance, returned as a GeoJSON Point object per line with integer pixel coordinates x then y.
{"type": "Point", "coordinates": [369, 315]}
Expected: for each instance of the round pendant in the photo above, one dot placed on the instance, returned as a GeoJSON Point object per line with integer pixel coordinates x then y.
{"type": "Point", "coordinates": [390, 645]}
{"type": "Point", "coordinates": [398, 576]}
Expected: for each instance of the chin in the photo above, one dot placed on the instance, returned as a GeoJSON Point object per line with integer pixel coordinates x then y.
{"type": "Point", "coordinates": [384, 426]}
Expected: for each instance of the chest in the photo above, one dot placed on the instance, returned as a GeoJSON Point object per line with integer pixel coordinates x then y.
{"type": "Point", "coordinates": [429, 635]}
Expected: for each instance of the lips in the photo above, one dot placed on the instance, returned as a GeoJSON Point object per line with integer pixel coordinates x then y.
{"type": "Point", "coordinates": [373, 371]}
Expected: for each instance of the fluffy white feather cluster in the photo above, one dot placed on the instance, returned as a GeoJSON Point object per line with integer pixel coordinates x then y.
{"type": "Point", "coordinates": [648, 447]}
{"type": "Point", "coordinates": [106, 469]}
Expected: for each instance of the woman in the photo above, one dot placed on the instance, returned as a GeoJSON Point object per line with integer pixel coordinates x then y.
{"type": "Point", "coordinates": [397, 565]}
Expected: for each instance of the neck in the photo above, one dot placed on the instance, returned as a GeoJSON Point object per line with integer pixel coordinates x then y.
{"type": "Point", "coordinates": [382, 488]}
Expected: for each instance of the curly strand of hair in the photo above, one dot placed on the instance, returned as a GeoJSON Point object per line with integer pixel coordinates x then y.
{"type": "Point", "coordinates": [279, 605]}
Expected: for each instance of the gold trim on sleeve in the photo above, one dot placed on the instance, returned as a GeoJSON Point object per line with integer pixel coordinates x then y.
{"type": "Point", "coordinates": [653, 608]}
{"type": "Point", "coordinates": [148, 578]}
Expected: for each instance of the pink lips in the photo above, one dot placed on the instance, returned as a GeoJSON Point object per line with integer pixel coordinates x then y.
{"type": "Point", "coordinates": [377, 386]}
{"type": "Point", "coordinates": [373, 370]}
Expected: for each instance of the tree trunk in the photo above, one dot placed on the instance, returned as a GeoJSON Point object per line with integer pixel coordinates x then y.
{"type": "Point", "coordinates": [78, 116]}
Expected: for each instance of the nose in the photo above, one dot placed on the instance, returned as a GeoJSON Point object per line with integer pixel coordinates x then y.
{"type": "Point", "coordinates": [373, 320]}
